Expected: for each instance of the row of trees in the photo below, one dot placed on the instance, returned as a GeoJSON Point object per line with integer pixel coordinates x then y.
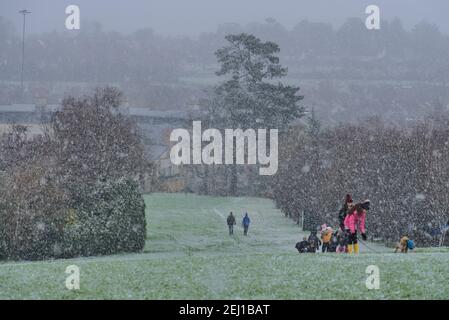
{"type": "Point", "coordinates": [73, 191]}
{"type": "Point", "coordinates": [404, 172]}
{"type": "Point", "coordinates": [351, 39]}
{"type": "Point", "coordinates": [144, 56]}
{"type": "Point", "coordinates": [329, 64]}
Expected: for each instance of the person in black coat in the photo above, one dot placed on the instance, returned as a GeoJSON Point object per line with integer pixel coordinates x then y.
{"type": "Point", "coordinates": [344, 211]}
{"type": "Point", "coordinates": [333, 243]}
{"type": "Point", "coordinates": [231, 223]}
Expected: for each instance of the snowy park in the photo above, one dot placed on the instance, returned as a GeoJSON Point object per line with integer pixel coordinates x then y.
{"type": "Point", "coordinates": [225, 150]}
{"type": "Point", "coordinates": [189, 255]}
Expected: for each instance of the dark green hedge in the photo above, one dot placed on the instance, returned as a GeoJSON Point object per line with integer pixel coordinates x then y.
{"type": "Point", "coordinates": [107, 220]}
{"type": "Point", "coordinates": [111, 220]}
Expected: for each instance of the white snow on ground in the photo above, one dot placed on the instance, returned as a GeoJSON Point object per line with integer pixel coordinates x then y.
{"type": "Point", "coordinates": [189, 254]}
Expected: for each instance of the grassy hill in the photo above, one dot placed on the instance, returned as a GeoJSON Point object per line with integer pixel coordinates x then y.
{"type": "Point", "coordinates": [189, 255]}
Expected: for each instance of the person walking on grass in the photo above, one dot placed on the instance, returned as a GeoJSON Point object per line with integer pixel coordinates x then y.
{"type": "Point", "coordinates": [246, 221]}
{"type": "Point", "coordinates": [231, 223]}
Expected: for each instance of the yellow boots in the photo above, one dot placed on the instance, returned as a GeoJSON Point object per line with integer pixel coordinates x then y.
{"type": "Point", "coordinates": [353, 248]}
{"type": "Point", "coordinates": [349, 248]}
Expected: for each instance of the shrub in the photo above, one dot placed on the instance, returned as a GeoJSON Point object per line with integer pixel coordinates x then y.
{"type": "Point", "coordinates": [33, 212]}
{"type": "Point", "coordinates": [73, 191]}
{"type": "Point", "coordinates": [111, 220]}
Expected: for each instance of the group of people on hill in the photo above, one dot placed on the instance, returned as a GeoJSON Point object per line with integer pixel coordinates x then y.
{"type": "Point", "coordinates": [232, 222]}
{"type": "Point", "coordinates": [344, 239]}
{"type": "Point", "coordinates": [329, 241]}
{"type": "Point", "coordinates": [352, 218]}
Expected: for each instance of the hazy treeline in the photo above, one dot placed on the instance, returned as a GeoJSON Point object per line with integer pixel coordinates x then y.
{"type": "Point", "coordinates": [311, 49]}
{"type": "Point", "coordinates": [404, 172]}
{"type": "Point", "coordinates": [345, 73]}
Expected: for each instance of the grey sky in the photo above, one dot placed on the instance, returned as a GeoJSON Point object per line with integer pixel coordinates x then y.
{"type": "Point", "coordinates": [191, 17]}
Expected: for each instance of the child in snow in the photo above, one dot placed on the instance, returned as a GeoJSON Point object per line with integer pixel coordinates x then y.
{"type": "Point", "coordinates": [334, 242]}
{"type": "Point", "coordinates": [355, 221]}
{"type": "Point", "coordinates": [314, 242]}
{"type": "Point", "coordinates": [326, 234]}
{"type": "Point", "coordinates": [342, 242]}
{"type": "Point", "coordinates": [303, 246]}
{"type": "Point", "coordinates": [404, 244]}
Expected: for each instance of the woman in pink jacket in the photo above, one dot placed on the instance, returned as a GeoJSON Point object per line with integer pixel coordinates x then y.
{"type": "Point", "coordinates": [355, 221]}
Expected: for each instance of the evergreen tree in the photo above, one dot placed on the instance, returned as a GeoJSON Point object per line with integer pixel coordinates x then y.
{"type": "Point", "coordinates": [250, 97]}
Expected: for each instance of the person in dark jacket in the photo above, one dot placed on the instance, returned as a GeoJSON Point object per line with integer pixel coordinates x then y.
{"type": "Point", "coordinates": [246, 221]}
{"type": "Point", "coordinates": [344, 211]}
{"type": "Point", "coordinates": [334, 242]}
{"type": "Point", "coordinates": [303, 246]}
{"type": "Point", "coordinates": [231, 223]}
{"type": "Point", "coordinates": [342, 242]}
{"type": "Point", "coordinates": [314, 242]}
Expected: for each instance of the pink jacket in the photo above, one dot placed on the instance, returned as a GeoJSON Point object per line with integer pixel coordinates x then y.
{"type": "Point", "coordinates": [356, 221]}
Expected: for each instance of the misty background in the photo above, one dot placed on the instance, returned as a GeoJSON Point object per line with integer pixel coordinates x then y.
{"type": "Point", "coordinates": [161, 53]}
{"type": "Point", "coordinates": [178, 17]}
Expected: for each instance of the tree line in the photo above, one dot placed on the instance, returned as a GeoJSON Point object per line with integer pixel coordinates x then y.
{"type": "Point", "coordinates": [403, 171]}
{"type": "Point", "coordinates": [348, 51]}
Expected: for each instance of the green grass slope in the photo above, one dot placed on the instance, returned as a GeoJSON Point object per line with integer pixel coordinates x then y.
{"type": "Point", "coordinates": [189, 255]}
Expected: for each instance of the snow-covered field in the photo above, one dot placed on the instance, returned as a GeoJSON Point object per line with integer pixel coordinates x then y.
{"type": "Point", "coordinates": [189, 255]}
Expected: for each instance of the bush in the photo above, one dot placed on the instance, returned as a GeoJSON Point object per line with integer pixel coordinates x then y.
{"type": "Point", "coordinates": [33, 212]}
{"type": "Point", "coordinates": [72, 192]}
{"type": "Point", "coordinates": [111, 220]}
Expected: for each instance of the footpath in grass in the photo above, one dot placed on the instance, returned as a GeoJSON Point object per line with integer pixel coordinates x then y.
{"type": "Point", "coordinates": [189, 255]}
